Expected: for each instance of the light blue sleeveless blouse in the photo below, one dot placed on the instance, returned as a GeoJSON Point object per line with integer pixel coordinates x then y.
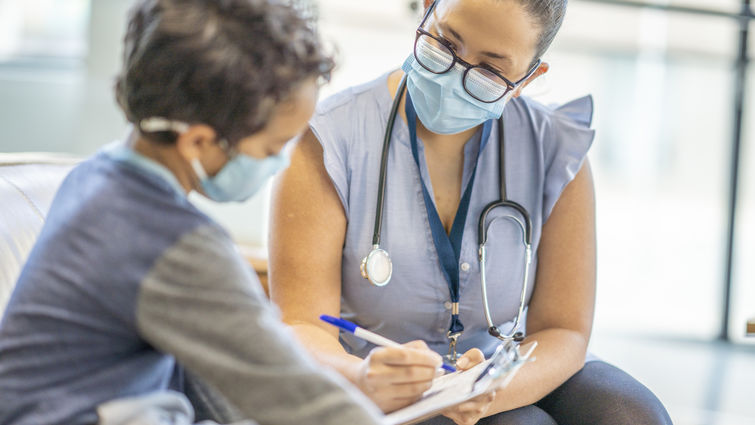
{"type": "Point", "coordinates": [545, 148]}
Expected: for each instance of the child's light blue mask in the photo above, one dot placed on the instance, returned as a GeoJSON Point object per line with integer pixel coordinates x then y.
{"type": "Point", "coordinates": [239, 179]}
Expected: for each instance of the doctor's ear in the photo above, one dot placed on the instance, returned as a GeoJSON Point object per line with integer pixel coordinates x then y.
{"type": "Point", "coordinates": [195, 141]}
{"type": "Point", "coordinates": [541, 69]}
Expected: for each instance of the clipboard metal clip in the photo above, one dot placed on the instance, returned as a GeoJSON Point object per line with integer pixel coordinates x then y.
{"type": "Point", "coordinates": [505, 358]}
{"type": "Point", "coordinates": [452, 389]}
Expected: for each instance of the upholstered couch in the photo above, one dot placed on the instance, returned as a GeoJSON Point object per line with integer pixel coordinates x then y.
{"type": "Point", "coordinates": [28, 182]}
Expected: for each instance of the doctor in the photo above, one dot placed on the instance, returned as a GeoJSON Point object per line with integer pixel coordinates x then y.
{"type": "Point", "coordinates": [362, 189]}
{"type": "Point", "coordinates": [134, 308]}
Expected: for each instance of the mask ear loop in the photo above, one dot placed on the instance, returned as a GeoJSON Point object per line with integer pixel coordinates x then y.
{"type": "Point", "coordinates": [157, 124]}
{"type": "Point", "coordinates": [160, 124]}
{"type": "Point", "coordinates": [199, 170]}
{"type": "Point", "coordinates": [196, 164]}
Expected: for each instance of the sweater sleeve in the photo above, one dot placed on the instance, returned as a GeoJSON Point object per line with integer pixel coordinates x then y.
{"type": "Point", "coordinates": [202, 304]}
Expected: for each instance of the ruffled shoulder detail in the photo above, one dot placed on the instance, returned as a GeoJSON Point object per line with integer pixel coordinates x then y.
{"type": "Point", "coordinates": [565, 136]}
{"type": "Point", "coordinates": [580, 110]}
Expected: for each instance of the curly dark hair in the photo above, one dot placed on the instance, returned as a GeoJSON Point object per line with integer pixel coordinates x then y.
{"type": "Point", "coordinates": [223, 63]}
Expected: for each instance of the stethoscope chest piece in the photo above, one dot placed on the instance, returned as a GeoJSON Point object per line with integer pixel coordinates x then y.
{"type": "Point", "coordinates": [377, 267]}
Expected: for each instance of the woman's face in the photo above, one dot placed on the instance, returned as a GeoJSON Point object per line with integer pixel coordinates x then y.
{"type": "Point", "coordinates": [498, 33]}
{"type": "Point", "coordinates": [288, 121]}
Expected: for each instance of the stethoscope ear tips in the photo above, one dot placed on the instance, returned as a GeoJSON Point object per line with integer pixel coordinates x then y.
{"type": "Point", "coordinates": [518, 337]}
{"type": "Point", "coordinates": [493, 331]}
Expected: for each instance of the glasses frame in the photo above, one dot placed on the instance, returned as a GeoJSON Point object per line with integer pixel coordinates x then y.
{"type": "Point", "coordinates": [468, 66]}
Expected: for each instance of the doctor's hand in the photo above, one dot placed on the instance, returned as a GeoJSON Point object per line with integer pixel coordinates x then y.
{"type": "Point", "coordinates": [396, 377]}
{"type": "Point", "coordinates": [473, 410]}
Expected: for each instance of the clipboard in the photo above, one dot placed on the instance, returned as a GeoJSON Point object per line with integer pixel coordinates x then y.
{"type": "Point", "coordinates": [458, 387]}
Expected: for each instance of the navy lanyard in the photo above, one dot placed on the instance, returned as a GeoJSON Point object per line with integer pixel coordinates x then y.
{"type": "Point", "coordinates": [447, 245]}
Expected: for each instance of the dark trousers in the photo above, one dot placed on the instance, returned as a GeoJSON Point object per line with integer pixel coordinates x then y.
{"type": "Point", "coordinates": [596, 395]}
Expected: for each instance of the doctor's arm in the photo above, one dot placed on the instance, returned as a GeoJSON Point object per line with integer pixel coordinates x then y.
{"type": "Point", "coordinates": [560, 312]}
{"type": "Point", "coordinates": [307, 232]}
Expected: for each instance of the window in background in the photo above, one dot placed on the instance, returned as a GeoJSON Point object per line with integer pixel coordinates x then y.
{"type": "Point", "coordinates": [727, 6]}
{"type": "Point", "coordinates": [743, 284]}
{"type": "Point", "coordinates": [662, 84]}
{"type": "Point", "coordinates": [43, 29]}
{"type": "Point", "coordinates": [719, 5]}
{"type": "Point", "coordinates": [43, 48]}
{"type": "Point", "coordinates": [370, 38]}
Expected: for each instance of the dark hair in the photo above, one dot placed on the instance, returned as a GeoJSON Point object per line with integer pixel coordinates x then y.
{"type": "Point", "coordinates": [223, 63]}
{"type": "Point", "coordinates": [548, 14]}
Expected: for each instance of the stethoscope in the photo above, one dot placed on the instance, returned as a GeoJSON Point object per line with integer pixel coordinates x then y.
{"type": "Point", "coordinates": [378, 268]}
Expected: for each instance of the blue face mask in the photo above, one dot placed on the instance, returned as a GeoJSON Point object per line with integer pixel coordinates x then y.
{"type": "Point", "coordinates": [442, 104]}
{"type": "Point", "coordinates": [240, 178]}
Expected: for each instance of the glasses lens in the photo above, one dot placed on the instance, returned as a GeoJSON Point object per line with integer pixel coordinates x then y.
{"type": "Point", "coordinates": [432, 54]}
{"type": "Point", "coordinates": [485, 85]}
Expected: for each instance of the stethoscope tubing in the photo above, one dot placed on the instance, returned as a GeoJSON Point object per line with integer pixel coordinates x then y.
{"type": "Point", "coordinates": [384, 163]}
{"type": "Point", "coordinates": [525, 223]}
{"type": "Point", "coordinates": [525, 226]}
{"type": "Point", "coordinates": [493, 330]}
{"type": "Point", "coordinates": [482, 234]}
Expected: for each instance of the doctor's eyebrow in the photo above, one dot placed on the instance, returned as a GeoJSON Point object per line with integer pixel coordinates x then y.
{"type": "Point", "coordinates": [497, 56]}
{"type": "Point", "coordinates": [447, 28]}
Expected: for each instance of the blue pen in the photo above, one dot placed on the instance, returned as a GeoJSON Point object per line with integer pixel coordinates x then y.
{"type": "Point", "coordinates": [367, 335]}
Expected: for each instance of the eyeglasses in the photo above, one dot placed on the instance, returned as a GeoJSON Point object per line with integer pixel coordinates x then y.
{"type": "Point", "coordinates": [482, 82]}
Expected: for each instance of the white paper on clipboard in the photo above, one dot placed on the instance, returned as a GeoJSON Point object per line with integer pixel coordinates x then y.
{"type": "Point", "coordinates": [458, 387]}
